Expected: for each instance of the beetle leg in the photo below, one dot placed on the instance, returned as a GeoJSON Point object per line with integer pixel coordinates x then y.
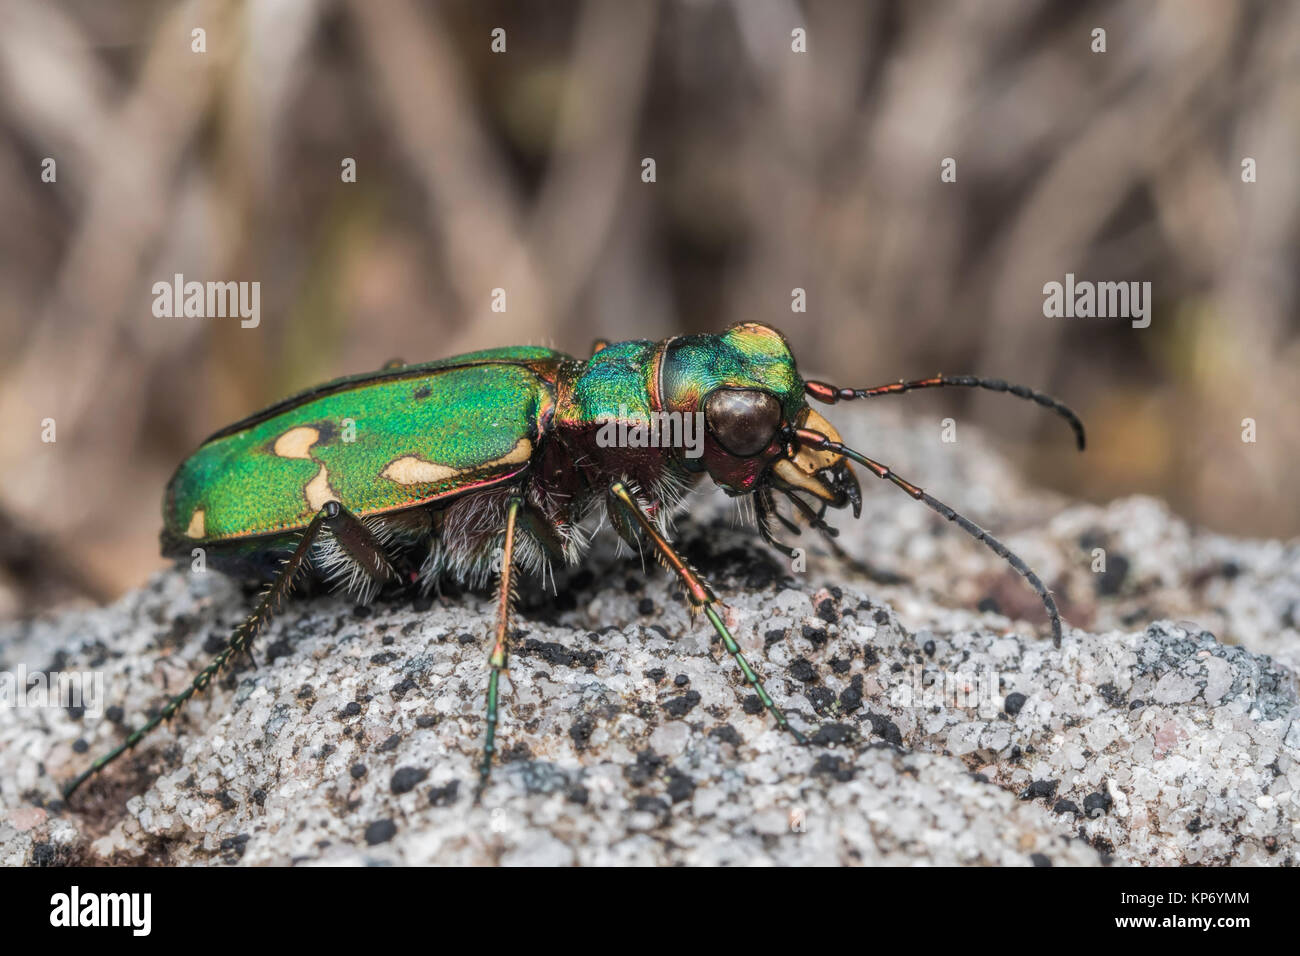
{"type": "Point", "coordinates": [497, 660]}
{"type": "Point", "coordinates": [240, 641]}
{"type": "Point", "coordinates": [700, 596]}
{"type": "Point", "coordinates": [354, 556]}
{"type": "Point", "coordinates": [812, 439]}
{"type": "Point", "coordinates": [764, 511]}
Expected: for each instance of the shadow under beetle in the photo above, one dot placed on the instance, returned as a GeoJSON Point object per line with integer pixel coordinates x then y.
{"type": "Point", "coordinates": [485, 465]}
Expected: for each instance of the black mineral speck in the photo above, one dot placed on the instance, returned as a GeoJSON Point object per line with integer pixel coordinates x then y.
{"type": "Point", "coordinates": [44, 854]}
{"type": "Point", "coordinates": [577, 794]}
{"type": "Point", "coordinates": [727, 734]}
{"type": "Point", "coordinates": [381, 831]}
{"type": "Point", "coordinates": [226, 800]}
{"type": "Point", "coordinates": [841, 666]}
{"type": "Point", "coordinates": [683, 705]}
{"type": "Point", "coordinates": [1045, 789]}
{"type": "Point", "coordinates": [654, 805]}
{"type": "Point", "coordinates": [259, 797]}
{"type": "Point", "coordinates": [1096, 804]}
{"type": "Point", "coordinates": [928, 647]}
{"type": "Point", "coordinates": [831, 734]}
{"type": "Point", "coordinates": [305, 691]}
{"type": "Point", "coordinates": [881, 616]}
{"type": "Point", "coordinates": [1137, 704]}
{"type": "Point", "coordinates": [1039, 859]}
{"type": "Point", "coordinates": [802, 670]}
{"type": "Point", "coordinates": [80, 745]}
{"type": "Point", "coordinates": [681, 680]}
{"type": "Point", "coordinates": [1111, 694]}
{"type": "Point", "coordinates": [821, 698]}
{"type": "Point", "coordinates": [235, 845]}
{"type": "Point", "coordinates": [775, 635]}
{"type": "Point", "coordinates": [835, 766]}
{"type": "Point", "coordinates": [424, 721]}
{"type": "Point", "coordinates": [1066, 806]}
{"type": "Point", "coordinates": [351, 709]}
{"type": "Point", "coordinates": [989, 605]}
{"type": "Point", "coordinates": [645, 607]}
{"type": "Point", "coordinates": [1014, 702]}
{"type": "Point", "coordinates": [358, 771]}
{"type": "Point", "coordinates": [646, 768]}
{"type": "Point", "coordinates": [115, 714]}
{"type": "Point", "coordinates": [656, 674]}
{"type": "Point", "coordinates": [827, 611]}
{"type": "Point", "coordinates": [389, 744]}
{"type": "Point", "coordinates": [851, 696]}
{"type": "Point", "coordinates": [558, 655]}
{"type": "Point", "coordinates": [444, 796]}
{"type": "Point", "coordinates": [406, 779]}
{"type": "Point", "coordinates": [814, 635]}
{"type": "Point", "coordinates": [680, 786]}
{"type": "Point", "coordinates": [885, 729]}
{"type": "Point", "coordinates": [753, 705]}
{"type": "Point", "coordinates": [581, 729]}
{"type": "Point", "coordinates": [386, 657]}
{"type": "Point", "coordinates": [1112, 579]}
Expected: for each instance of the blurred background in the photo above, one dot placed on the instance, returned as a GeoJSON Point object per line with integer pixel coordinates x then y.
{"type": "Point", "coordinates": [522, 170]}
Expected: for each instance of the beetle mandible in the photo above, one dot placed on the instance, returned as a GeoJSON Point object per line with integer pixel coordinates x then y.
{"type": "Point", "coordinates": [485, 465]}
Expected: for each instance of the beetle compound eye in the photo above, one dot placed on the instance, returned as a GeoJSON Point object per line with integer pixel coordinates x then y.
{"type": "Point", "coordinates": [744, 421]}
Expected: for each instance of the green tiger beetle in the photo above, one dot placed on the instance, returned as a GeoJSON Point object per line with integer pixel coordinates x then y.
{"type": "Point", "coordinates": [479, 467]}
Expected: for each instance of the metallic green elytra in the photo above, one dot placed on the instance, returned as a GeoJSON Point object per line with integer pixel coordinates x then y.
{"type": "Point", "coordinates": [486, 465]}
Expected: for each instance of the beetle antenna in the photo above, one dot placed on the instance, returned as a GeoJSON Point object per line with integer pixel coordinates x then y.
{"type": "Point", "coordinates": [818, 441]}
{"type": "Point", "coordinates": [830, 394]}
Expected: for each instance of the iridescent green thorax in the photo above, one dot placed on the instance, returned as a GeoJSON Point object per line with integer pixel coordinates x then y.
{"type": "Point", "coordinates": [613, 383]}
{"type": "Point", "coordinates": [746, 356]}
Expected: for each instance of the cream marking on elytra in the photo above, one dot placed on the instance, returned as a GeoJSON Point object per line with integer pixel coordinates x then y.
{"type": "Point", "coordinates": [411, 470]}
{"type": "Point", "coordinates": [318, 490]}
{"type": "Point", "coordinates": [416, 471]}
{"type": "Point", "coordinates": [198, 524]}
{"type": "Point", "coordinates": [296, 442]}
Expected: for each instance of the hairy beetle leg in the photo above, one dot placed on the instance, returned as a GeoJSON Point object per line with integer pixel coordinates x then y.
{"type": "Point", "coordinates": [701, 596]}
{"type": "Point", "coordinates": [499, 657]}
{"type": "Point", "coordinates": [332, 515]}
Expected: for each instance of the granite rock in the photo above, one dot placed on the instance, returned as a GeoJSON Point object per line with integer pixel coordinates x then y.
{"type": "Point", "coordinates": [1165, 730]}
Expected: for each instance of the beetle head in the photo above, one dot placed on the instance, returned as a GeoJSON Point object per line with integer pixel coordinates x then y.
{"type": "Point", "coordinates": [746, 385]}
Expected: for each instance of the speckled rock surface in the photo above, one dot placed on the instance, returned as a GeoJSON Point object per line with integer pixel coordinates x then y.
{"type": "Point", "coordinates": [942, 731]}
